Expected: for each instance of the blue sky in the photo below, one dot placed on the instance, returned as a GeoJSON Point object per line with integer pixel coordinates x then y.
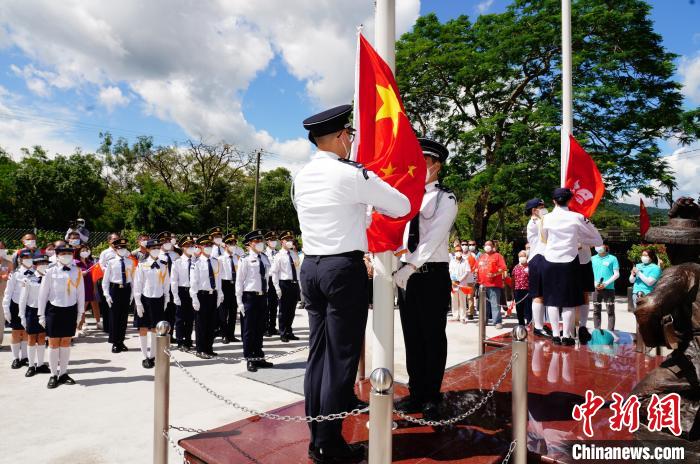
{"type": "Point", "coordinates": [66, 73]}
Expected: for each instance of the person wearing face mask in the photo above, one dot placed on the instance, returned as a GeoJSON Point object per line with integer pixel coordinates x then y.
{"type": "Point", "coordinates": [6, 268]}
{"type": "Point", "coordinates": [85, 262]}
{"type": "Point", "coordinates": [521, 278]}
{"type": "Point", "coordinates": [28, 313]}
{"type": "Point", "coordinates": [490, 270]}
{"type": "Point", "coordinates": [151, 296]}
{"type": "Point", "coordinates": [251, 295]}
{"type": "Point", "coordinates": [536, 210]}
{"type": "Point", "coordinates": [461, 275]}
{"type": "Point", "coordinates": [78, 228]}
{"type": "Point", "coordinates": [105, 256]}
{"type": "Point", "coordinates": [60, 307]}
{"type": "Point", "coordinates": [331, 195]}
{"type": "Point", "coordinates": [10, 306]}
{"type": "Point", "coordinates": [217, 237]}
{"type": "Point", "coordinates": [562, 231]}
{"type": "Point", "coordinates": [644, 275]}
{"type": "Point", "coordinates": [73, 240]}
{"type": "Point", "coordinates": [470, 253]}
{"type": "Point", "coordinates": [425, 287]}
{"type": "Point", "coordinates": [28, 244]}
{"type": "Point", "coordinates": [285, 278]}
{"type": "Point", "coordinates": [141, 253]}
{"type": "Point", "coordinates": [270, 254]}
{"type": "Point", "coordinates": [206, 294]}
{"type": "Point", "coordinates": [167, 257]}
{"type": "Point", "coordinates": [606, 270]}
{"type": "Point", "coordinates": [180, 287]}
{"type": "Point", "coordinates": [118, 291]}
{"type": "Point", "coordinates": [228, 310]}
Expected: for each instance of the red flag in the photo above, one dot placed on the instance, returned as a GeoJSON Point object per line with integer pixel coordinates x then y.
{"type": "Point", "coordinates": [386, 144]}
{"type": "Point", "coordinates": [96, 272]}
{"type": "Point", "coordinates": [644, 222]}
{"type": "Point", "coordinates": [584, 180]}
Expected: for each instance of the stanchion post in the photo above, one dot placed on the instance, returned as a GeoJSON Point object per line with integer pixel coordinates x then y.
{"type": "Point", "coordinates": [381, 406]}
{"type": "Point", "coordinates": [519, 397]}
{"type": "Point", "coordinates": [482, 319]}
{"type": "Point", "coordinates": [161, 400]}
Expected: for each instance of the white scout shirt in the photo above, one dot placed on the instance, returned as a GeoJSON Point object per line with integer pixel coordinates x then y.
{"type": "Point", "coordinates": [62, 288]}
{"type": "Point", "coordinates": [30, 295]}
{"type": "Point", "coordinates": [563, 230]}
{"type": "Point", "coordinates": [228, 272]}
{"type": "Point", "coordinates": [150, 281]}
{"type": "Point", "coordinates": [534, 238]}
{"type": "Point", "coordinates": [199, 280]}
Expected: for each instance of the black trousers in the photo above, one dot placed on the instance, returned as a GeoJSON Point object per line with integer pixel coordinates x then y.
{"type": "Point", "coordinates": [253, 324]}
{"type": "Point", "coordinates": [119, 312]}
{"type": "Point", "coordinates": [228, 309]}
{"type": "Point", "coordinates": [170, 311]}
{"type": "Point", "coordinates": [423, 307]}
{"type": "Point", "coordinates": [272, 303]}
{"type": "Point", "coordinates": [523, 308]}
{"type": "Point", "coordinates": [288, 306]}
{"type": "Point", "coordinates": [335, 291]}
{"type": "Point", "coordinates": [184, 318]}
{"type": "Point", "coordinates": [206, 320]}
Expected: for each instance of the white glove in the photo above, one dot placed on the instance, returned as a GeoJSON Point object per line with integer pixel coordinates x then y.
{"type": "Point", "coordinates": [177, 301]}
{"type": "Point", "coordinates": [24, 322]}
{"type": "Point", "coordinates": [402, 275]}
{"type": "Point", "coordinates": [108, 300]}
{"type": "Point", "coordinates": [42, 321]}
{"type": "Point", "coordinates": [241, 309]}
{"type": "Point", "coordinates": [80, 318]}
{"type": "Point", "coordinates": [279, 294]}
{"type": "Point", "coordinates": [8, 316]}
{"type": "Point", "coordinates": [195, 305]}
{"type": "Point", "coordinates": [132, 299]}
{"type": "Point", "coordinates": [219, 300]}
{"type": "Point", "coordinates": [139, 310]}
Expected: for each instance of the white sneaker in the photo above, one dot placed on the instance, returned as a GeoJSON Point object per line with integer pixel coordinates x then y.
{"type": "Point", "coordinates": [81, 333]}
{"type": "Point", "coordinates": [499, 326]}
{"type": "Point", "coordinates": [99, 325]}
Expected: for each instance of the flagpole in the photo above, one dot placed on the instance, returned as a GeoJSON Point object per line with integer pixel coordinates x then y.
{"type": "Point", "coordinates": [567, 124]}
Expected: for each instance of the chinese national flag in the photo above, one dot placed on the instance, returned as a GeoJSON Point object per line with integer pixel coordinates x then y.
{"type": "Point", "coordinates": [386, 144]}
{"type": "Point", "coordinates": [584, 180]}
{"type": "Point", "coordinates": [96, 272]}
{"type": "Point", "coordinates": [644, 222]}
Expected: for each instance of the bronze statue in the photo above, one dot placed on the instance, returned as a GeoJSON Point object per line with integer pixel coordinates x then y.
{"type": "Point", "coordinates": [682, 233]}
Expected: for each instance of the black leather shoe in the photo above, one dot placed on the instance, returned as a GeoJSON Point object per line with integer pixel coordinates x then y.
{"type": "Point", "coordinates": [201, 355]}
{"type": "Point", "coordinates": [24, 361]}
{"type": "Point", "coordinates": [338, 454]}
{"type": "Point", "coordinates": [431, 411]}
{"type": "Point", "coordinates": [16, 364]}
{"type": "Point", "coordinates": [31, 372]}
{"type": "Point", "coordinates": [470, 317]}
{"type": "Point", "coordinates": [568, 341]}
{"type": "Point", "coordinates": [408, 405]}
{"type": "Point", "coordinates": [252, 366]}
{"type": "Point", "coordinates": [584, 336]}
{"type": "Point", "coordinates": [274, 331]}
{"type": "Point", "coordinates": [284, 339]}
{"type": "Point", "coordinates": [225, 341]}
{"type": "Point", "coordinates": [146, 364]}
{"type": "Point", "coordinates": [152, 362]}
{"type": "Point", "coordinates": [312, 449]}
{"type": "Point", "coordinates": [268, 333]}
{"type": "Point", "coordinates": [556, 340]}
{"type": "Point", "coordinates": [212, 354]}
{"type": "Point", "coordinates": [123, 347]}
{"type": "Point", "coordinates": [116, 349]}
{"type": "Point", "coordinates": [53, 382]}
{"type": "Point", "coordinates": [234, 340]}
{"type": "Point", "coordinates": [547, 330]}
{"type": "Point", "coordinates": [43, 369]}
{"type": "Point", "coordinates": [293, 337]}
{"type": "Point", "coordinates": [65, 379]}
{"type": "Point", "coordinates": [540, 333]}
{"type": "Point", "coordinates": [263, 364]}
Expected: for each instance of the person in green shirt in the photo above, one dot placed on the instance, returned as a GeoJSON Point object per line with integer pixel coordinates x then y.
{"type": "Point", "coordinates": [644, 275]}
{"type": "Point", "coordinates": [606, 270]}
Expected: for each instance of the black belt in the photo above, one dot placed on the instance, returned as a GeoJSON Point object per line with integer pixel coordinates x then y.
{"type": "Point", "coordinates": [357, 254]}
{"type": "Point", "coordinates": [430, 267]}
{"type": "Point", "coordinates": [114, 284]}
{"type": "Point", "coordinates": [254, 293]}
{"type": "Point", "coordinates": [183, 286]}
{"type": "Point", "coordinates": [227, 280]}
{"type": "Point", "coordinates": [289, 281]}
{"type": "Point", "coordinates": [207, 292]}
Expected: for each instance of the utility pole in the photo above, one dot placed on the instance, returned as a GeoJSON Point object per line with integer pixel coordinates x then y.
{"type": "Point", "coordinates": [227, 208]}
{"type": "Point", "coordinates": [257, 182]}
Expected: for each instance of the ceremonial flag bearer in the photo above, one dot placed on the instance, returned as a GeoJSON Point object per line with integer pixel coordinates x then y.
{"type": "Point", "coordinates": [117, 289]}
{"type": "Point", "coordinates": [285, 277]}
{"type": "Point", "coordinates": [425, 287]}
{"type": "Point", "coordinates": [205, 290]}
{"type": "Point", "coordinates": [331, 195]}
{"type": "Point", "coordinates": [228, 309]}
{"type": "Point", "coordinates": [180, 286]}
{"type": "Point", "coordinates": [29, 313]}
{"type": "Point", "coordinates": [535, 208]}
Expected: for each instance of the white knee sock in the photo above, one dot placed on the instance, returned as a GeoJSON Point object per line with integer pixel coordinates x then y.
{"type": "Point", "coordinates": [40, 349]}
{"type": "Point", "coordinates": [569, 316]}
{"type": "Point", "coordinates": [538, 315]}
{"type": "Point", "coordinates": [553, 313]}
{"type": "Point", "coordinates": [15, 350]}
{"type": "Point", "coordinates": [23, 348]}
{"type": "Point", "coordinates": [31, 351]}
{"type": "Point", "coordinates": [553, 372]}
{"type": "Point", "coordinates": [53, 360]}
{"type": "Point", "coordinates": [63, 358]}
{"type": "Point", "coordinates": [582, 315]}
{"type": "Point", "coordinates": [152, 344]}
{"type": "Point", "coordinates": [144, 345]}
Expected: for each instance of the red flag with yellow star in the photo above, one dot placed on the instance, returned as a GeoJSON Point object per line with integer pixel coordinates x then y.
{"type": "Point", "coordinates": [386, 144]}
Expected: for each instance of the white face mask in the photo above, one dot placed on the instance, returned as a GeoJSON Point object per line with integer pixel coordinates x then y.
{"type": "Point", "coordinates": [289, 245]}
{"type": "Point", "coordinates": [646, 259]}
{"type": "Point", "coordinates": [522, 259]}
{"type": "Point", "coordinates": [167, 246]}
{"type": "Point", "coordinates": [122, 252]}
{"type": "Point", "coordinates": [143, 243]}
{"type": "Point", "coordinates": [173, 241]}
{"type": "Point", "coordinates": [27, 262]}
{"type": "Point", "coordinates": [488, 248]}
{"type": "Point", "coordinates": [3, 253]}
{"type": "Point", "coordinates": [429, 173]}
{"type": "Point", "coordinates": [41, 269]}
{"type": "Point", "coordinates": [196, 251]}
{"type": "Point", "coordinates": [218, 240]}
{"type": "Point", "coordinates": [542, 211]}
{"type": "Point", "coordinates": [154, 253]}
{"type": "Point", "coordinates": [84, 254]}
{"type": "Point", "coordinates": [458, 254]}
{"type": "Point", "coordinates": [30, 243]}
{"type": "Point", "coordinates": [207, 251]}
{"type": "Point", "coordinates": [231, 248]}
{"type": "Point", "coordinates": [65, 259]}
{"type": "Point", "coordinates": [272, 243]}
{"type": "Point", "coordinates": [600, 250]}
{"type": "Point", "coordinates": [74, 242]}
{"type": "Point", "coordinates": [472, 247]}
{"type": "Point", "coordinates": [259, 247]}
{"type": "Point", "coordinates": [50, 252]}
{"type": "Point", "coordinates": [187, 251]}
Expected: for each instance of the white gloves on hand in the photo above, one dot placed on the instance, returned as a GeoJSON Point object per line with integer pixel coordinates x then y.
{"type": "Point", "coordinates": [42, 321]}
{"type": "Point", "coordinates": [402, 275]}
{"type": "Point", "coordinates": [241, 309]}
{"type": "Point", "coordinates": [139, 310]}
{"type": "Point", "coordinates": [108, 300]}
{"type": "Point", "coordinates": [177, 301]}
{"type": "Point", "coordinates": [8, 316]}
{"type": "Point", "coordinates": [279, 294]}
{"type": "Point", "coordinates": [219, 300]}
{"type": "Point", "coordinates": [195, 305]}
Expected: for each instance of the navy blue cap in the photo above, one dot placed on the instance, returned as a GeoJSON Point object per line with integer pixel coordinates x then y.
{"type": "Point", "coordinates": [25, 253]}
{"type": "Point", "coordinates": [64, 249]}
{"type": "Point", "coordinates": [41, 259]}
{"type": "Point", "coordinates": [163, 236]}
{"type": "Point", "coordinates": [256, 234]}
{"type": "Point", "coordinates": [562, 194]}
{"type": "Point", "coordinates": [120, 243]}
{"type": "Point", "coordinates": [533, 203]}
{"type": "Point", "coordinates": [204, 240]}
{"type": "Point", "coordinates": [328, 121]}
{"type": "Point", "coordinates": [153, 243]}
{"type": "Point", "coordinates": [434, 149]}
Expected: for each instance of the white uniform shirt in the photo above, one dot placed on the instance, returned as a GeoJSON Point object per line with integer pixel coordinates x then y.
{"type": "Point", "coordinates": [163, 256]}
{"type": "Point", "coordinates": [248, 278]}
{"type": "Point", "coordinates": [461, 271]}
{"type": "Point", "coordinates": [113, 273]}
{"type": "Point", "coordinates": [562, 231]}
{"type": "Point", "coordinates": [534, 238]}
{"type": "Point", "coordinates": [217, 250]}
{"type": "Point", "coordinates": [584, 254]}
{"type": "Point", "coordinates": [180, 273]}
{"type": "Point", "coordinates": [151, 282]}
{"type": "Point", "coordinates": [434, 228]}
{"type": "Point", "coordinates": [62, 288]}
{"type": "Point", "coordinates": [13, 291]}
{"type": "Point", "coordinates": [200, 278]}
{"type": "Point", "coordinates": [282, 269]}
{"type": "Point", "coordinates": [331, 198]}
{"type": "Point", "coordinates": [228, 273]}
{"type": "Point", "coordinates": [106, 255]}
{"type": "Point", "coordinates": [30, 295]}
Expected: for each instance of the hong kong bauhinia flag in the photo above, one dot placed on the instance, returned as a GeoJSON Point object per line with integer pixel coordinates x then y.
{"type": "Point", "coordinates": [584, 180]}
{"type": "Point", "coordinates": [385, 143]}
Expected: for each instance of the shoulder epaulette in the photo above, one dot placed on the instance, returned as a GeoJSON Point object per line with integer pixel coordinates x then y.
{"type": "Point", "coordinates": [450, 193]}
{"type": "Point", "coordinates": [357, 165]}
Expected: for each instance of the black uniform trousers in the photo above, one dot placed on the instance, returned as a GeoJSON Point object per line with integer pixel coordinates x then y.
{"type": "Point", "coordinates": [335, 292]}
{"type": "Point", "coordinates": [423, 308]}
{"type": "Point", "coordinates": [288, 306]}
{"type": "Point", "coordinates": [228, 309]}
{"type": "Point", "coordinates": [253, 324]}
{"type": "Point", "coordinates": [119, 312]}
{"type": "Point", "coordinates": [184, 318]}
{"type": "Point", "coordinates": [170, 313]}
{"type": "Point", "coordinates": [272, 303]}
{"type": "Point", "coordinates": [206, 320]}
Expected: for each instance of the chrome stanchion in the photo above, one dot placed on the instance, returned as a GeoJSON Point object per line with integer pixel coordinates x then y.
{"type": "Point", "coordinates": [161, 400]}
{"type": "Point", "coordinates": [519, 397]}
{"type": "Point", "coordinates": [381, 407]}
{"type": "Point", "coordinates": [482, 319]}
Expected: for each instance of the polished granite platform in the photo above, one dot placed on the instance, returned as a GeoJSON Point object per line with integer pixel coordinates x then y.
{"type": "Point", "coordinates": [558, 379]}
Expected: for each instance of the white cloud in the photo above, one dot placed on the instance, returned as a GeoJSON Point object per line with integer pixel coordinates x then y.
{"type": "Point", "coordinates": [112, 97]}
{"type": "Point", "coordinates": [689, 69]}
{"type": "Point", "coordinates": [484, 6]}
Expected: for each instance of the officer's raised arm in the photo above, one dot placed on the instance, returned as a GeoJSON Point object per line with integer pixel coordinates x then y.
{"type": "Point", "coordinates": [372, 190]}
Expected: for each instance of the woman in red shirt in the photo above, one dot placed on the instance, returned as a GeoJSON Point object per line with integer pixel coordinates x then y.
{"type": "Point", "coordinates": [523, 302]}
{"type": "Point", "coordinates": [490, 269]}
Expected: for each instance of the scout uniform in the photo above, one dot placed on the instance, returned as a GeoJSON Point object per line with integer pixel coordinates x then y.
{"type": "Point", "coordinates": [180, 288]}
{"type": "Point", "coordinates": [272, 299]}
{"type": "Point", "coordinates": [29, 313]}
{"type": "Point", "coordinates": [117, 288]}
{"type": "Point", "coordinates": [205, 290]}
{"type": "Point", "coordinates": [535, 262]}
{"type": "Point", "coordinates": [10, 305]}
{"type": "Point", "coordinates": [285, 277]}
{"type": "Point", "coordinates": [229, 308]}
{"type": "Point", "coordinates": [168, 256]}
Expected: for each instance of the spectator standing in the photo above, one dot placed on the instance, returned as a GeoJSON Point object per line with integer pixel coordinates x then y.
{"type": "Point", "coordinates": [6, 268]}
{"type": "Point", "coordinates": [606, 270]}
{"type": "Point", "coordinates": [644, 275]}
{"type": "Point", "coordinates": [523, 301]}
{"type": "Point", "coordinates": [461, 276]}
{"type": "Point", "coordinates": [490, 269]}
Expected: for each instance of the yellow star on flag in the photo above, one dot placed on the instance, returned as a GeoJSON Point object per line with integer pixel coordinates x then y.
{"type": "Point", "coordinates": [390, 106]}
{"type": "Point", "coordinates": [389, 170]}
{"type": "Point", "coordinates": [410, 170]}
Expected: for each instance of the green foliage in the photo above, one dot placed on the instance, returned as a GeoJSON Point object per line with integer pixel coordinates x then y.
{"type": "Point", "coordinates": [634, 254]}
{"type": "Point", "coordinates": [505, 248]}
{"type": "Point", "coordinates": [44, 237]}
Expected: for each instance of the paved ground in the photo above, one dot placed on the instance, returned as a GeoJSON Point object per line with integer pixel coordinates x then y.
{"type": "Point", "coordinates": [108, 416]}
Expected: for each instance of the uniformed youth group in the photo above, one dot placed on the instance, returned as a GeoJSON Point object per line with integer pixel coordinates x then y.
{"type": "Point", "coordinates": [213, 279]}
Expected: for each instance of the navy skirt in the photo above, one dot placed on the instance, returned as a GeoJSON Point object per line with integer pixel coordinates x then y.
{"type": "Point", "coordinates": [587, 277]}
{"type": "Point", "coordinates": [61, 322]}
{"type": "Point", "coordinates": [32, 317]}
{"type": "Point", "coordinates": [153, 312]}
{"type": "Point", "coordinates": [563, 286]}
{"type": "Point", "coordinates": [15, 321]}
{"type": "Point", "coordinates": [535, 276]}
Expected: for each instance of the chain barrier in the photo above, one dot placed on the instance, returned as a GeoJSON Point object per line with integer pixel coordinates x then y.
{"type": "Point", "coordinates": [511, 449]}
{"type": "Point", "coordinates": [266, 415]}
{"type": "Point", "coordinates": [243, 358]}
{"type": "Point", "coordinates": [175, 446]}
{"type": "Point", "coordinates": [470, 411]}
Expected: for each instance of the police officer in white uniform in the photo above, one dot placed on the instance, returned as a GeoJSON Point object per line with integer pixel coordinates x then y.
{"type": "Point", "coordinates": [331, 195]}
{"type": "Point", "coordinates": [118, 292]}
{"type": "Point", "coordinates": [272, 300]}
{"type": "Point", "coordinates": [425, 287]}
{"type": "Point", "coordinates": [535, 208]}
{"type": "Point", "coordinates": [228, 310]}
{"type": "Point", "coordinates": [180, 289]}
{"type": "Point", "coordinates": [562, 232]}
{"type": "Point", "coordinates": [205, 291]}
{"type": "Point", "coordinates": [285, 277]}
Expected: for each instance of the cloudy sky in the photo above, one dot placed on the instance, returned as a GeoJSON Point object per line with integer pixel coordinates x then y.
{"type": "Point", "coordinates": [240, 70]}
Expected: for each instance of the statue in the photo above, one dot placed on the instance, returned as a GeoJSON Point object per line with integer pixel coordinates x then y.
{"type": "Point", "coordinates": [682, 233]}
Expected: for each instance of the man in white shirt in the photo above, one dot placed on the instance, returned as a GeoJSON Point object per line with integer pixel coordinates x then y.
{"type": "Point", "coordinates": [217, 238]}
{"type": "Point", "coordinates": [106, 255]}
{"type": "Point", "coordinates": [272, 299]}
{"type": "Point", "coordinates": [228, 309]}
{"type": "Point", "coordinates": [285, 277]}
{"type": "Point", "coordinates": [461, 276]}
{"type": "Point", "coordinates": [118, 292]}
{"type": "Point", "coordinates": [180, 288]}
{"type": "Point", "coordinates": [205, 290]}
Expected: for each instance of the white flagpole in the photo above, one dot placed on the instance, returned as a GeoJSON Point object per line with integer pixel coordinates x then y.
{"type": "Point", "coordinates": [567, 125]}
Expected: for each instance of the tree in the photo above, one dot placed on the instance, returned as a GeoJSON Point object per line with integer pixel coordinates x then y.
{"type": "Point", "coordinates": [491, 90]}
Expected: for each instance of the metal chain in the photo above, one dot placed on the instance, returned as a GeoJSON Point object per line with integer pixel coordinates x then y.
{"type": "Point", "coordinates": [470, 411]}
{"type": "Point", "coordinates": [511, 448]}
{"type": "Point", "coordinates": [253, 412]}
{"type": "Point", "coordinates": [187, 429]}
{"type": "Point", "coordinates": [242, 358]}
{"type": "Point", "coordinates": [175, 446]}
